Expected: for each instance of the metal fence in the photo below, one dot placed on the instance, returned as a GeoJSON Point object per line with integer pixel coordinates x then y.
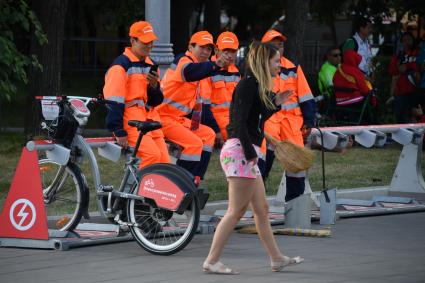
{"type": "Point", "coordinates": [96, 54]}
{"type": "Point", "coordinates": [90, 54]}
{"type": "Point", "coordinates": [314, 52]}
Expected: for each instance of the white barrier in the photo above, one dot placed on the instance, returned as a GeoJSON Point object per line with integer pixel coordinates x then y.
{"type": "Point", "coordinates": [407, 178]}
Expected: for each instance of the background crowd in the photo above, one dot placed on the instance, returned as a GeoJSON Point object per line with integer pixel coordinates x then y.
{"type": "Point", "coordinates": [347, 77]}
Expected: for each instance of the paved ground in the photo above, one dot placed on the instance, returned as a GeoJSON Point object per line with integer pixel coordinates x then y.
{"type": "Point", "coordinates": [373, 249]}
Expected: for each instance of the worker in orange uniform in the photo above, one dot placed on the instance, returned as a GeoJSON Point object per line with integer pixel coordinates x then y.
{"type": "Point", "coordinates": [223, 83]}
{"type": "Point", "coordinates": [184, 85]}
{"type": "Point", "coordinates": [297, 116]}
{"type": "Point", "coordinates": [136, 91]}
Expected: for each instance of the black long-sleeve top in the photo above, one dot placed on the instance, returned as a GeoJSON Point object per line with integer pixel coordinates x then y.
{"type": "Point", "coordinates": [247, 115]}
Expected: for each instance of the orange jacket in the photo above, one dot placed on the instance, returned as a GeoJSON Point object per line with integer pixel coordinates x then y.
{"type": "Point", "coordinates": [180, 96]}
{"type": "Point", "coordinates": [301, 103]}
{"type": "Point", "coordinates": [126, 83]}
{"type": "Point", "coordinates": [223, 84]}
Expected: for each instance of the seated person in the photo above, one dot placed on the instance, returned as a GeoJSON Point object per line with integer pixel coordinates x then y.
{"type": "Point", "coordinates": [350, 84]}
{"type": "Point", "coordinates": [325, 77]}
{"type": "Point", "coordinates": [327, 71]}
{"type": "Point", "coordinates": [186, 86]}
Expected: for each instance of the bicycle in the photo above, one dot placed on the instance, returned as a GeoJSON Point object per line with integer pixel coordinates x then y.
{"type": "Point", "coordinates": [160, 203]}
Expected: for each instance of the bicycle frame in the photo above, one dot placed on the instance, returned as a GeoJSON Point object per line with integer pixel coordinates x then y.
{"type": "Point", "coordinates": [160, 207]}
{"type": "Point", "coordinates": [107, 149]}
{"type": "Point", "coordinates": [80, 148]}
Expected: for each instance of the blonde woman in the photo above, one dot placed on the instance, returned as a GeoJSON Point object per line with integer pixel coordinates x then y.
{"type": "Point", "coordinates": [252, 104]}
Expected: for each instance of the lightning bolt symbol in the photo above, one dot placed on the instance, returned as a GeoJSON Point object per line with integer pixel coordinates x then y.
{"type": "Point", "coordinates": [22, 214]}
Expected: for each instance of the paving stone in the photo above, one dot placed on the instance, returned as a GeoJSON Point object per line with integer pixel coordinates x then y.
{"type": "Point", "coordinates": [369, 249]}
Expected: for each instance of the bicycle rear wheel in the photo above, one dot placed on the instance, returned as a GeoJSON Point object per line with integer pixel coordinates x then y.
{"type": "Point", "coordinates": [160, 231]}
{"type": "Point", "coordinates": [64, 192]}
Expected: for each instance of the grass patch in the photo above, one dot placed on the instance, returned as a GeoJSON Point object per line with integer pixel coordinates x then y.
{"type": "Point", "coordinates": [10, 151]}
{"type": "Point", "coordinates": [359, 167]}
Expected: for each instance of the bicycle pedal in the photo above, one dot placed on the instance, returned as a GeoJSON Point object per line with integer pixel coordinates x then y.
{"type": "Point", "coordinates": [106, 188]}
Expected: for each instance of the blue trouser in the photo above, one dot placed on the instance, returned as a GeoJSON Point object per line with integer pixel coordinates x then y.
{"type": "Point", "coordinates": [295, 187]}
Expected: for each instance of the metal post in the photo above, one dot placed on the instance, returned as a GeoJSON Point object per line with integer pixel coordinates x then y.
{"type": "Point", "coordinates": [158, 14]}
{"type": "Point", "coordinates": [407, 176]}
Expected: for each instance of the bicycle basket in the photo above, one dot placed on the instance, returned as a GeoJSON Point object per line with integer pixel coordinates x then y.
{"type": "Point", "coordinates": [61, 125]}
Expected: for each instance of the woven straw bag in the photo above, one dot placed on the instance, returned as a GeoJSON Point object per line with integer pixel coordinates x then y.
{"type": "Point", "coordinates": [292, 157]}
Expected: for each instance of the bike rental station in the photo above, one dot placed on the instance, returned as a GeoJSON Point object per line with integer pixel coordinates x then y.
{"type": "Point", "coordinates": [160, 206]}
{"type": "Point", "coordinates": [405, 193]}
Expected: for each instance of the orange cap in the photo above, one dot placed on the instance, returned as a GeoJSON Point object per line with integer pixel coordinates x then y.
{"type": "Point", "coordinates": [143, 31]}
{"type": "Point", "coordinates": [202, 38]}
{"type": "Point", "coordinates": [227, 40]}
{"type": "Point", "coordinates": [271, 34]}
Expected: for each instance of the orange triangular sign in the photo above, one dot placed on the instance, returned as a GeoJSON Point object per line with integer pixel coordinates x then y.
{"type": "Point", "coordinates": [23, 214]}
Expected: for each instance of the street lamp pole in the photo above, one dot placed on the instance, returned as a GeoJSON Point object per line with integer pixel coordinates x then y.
{"type": "Point", "coordinates": [158, 14]}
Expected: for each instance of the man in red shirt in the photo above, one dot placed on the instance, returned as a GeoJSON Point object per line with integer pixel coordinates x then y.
{"type": "Point", "coordinates": [405, 74]}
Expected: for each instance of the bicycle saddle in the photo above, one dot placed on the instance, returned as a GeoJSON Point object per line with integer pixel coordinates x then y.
{"type": "Point", "coordinates": [145, 126]}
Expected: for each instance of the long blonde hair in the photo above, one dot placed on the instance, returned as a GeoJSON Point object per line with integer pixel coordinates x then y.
{"type": "Point", "coordinates": [259, 56]}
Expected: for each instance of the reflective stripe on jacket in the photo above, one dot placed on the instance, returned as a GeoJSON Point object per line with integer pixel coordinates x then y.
{"type": "Point", "coordinates": [292, 77]}
{"type": "Point", "coordinates": [126, 83]}
{"type": "Point", "coordinates": [180, 96]}
{"type": "Point", "coordinates": [223, 84]}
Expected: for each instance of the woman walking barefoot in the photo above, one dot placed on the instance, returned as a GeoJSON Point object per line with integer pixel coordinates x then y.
{"type": "Point", "coordinates": [252, 104]}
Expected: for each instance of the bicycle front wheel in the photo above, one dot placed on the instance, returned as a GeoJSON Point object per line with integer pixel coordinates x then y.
{"type": "Point", "coordinates": [64, 193]}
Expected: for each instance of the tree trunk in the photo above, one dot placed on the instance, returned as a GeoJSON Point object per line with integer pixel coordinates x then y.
{"type": "Point", "coordinates": [212, 17]}
{"type": "Point", "coordinates": [296, 14]}
{"type": "Point", "coordinates": [48, 82]}
{"type": "Point", "coordinates": [180, 16]}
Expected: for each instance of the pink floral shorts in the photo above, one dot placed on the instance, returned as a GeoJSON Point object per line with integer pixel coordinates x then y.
{"type": "Point", "coordinates": [233, 162]}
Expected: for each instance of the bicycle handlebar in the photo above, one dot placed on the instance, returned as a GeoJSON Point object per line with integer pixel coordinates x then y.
{"type": "Point", "coordinates": [85, 99]}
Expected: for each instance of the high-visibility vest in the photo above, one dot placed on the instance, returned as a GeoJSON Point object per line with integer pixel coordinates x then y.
{"type": "Point", "coordinates": [180, 96]}
{"type": "Point", "coordinates": [291, 77]}
{"type": "Point", "coordinates": [125, 82]}
{"type": "Point", "coordinates": [223, 84]}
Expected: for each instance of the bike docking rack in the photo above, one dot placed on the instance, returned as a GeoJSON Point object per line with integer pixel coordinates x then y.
{"type": "Point", "coordinates": [23, 222]}
{"type": "Point", "coordinates": [159, 205]}
{"type": "Point", "coordinates": [405, 193]}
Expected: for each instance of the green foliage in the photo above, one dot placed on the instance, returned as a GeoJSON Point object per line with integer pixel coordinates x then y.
{"type": "Point", "coordinates": [328, 10]}
{"type": "Point", "coordinates": [16, 15]}
{"type": "Point", "coordinates": [118, 13]}
{"type": "Point", "coordinates": [259, 15]}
